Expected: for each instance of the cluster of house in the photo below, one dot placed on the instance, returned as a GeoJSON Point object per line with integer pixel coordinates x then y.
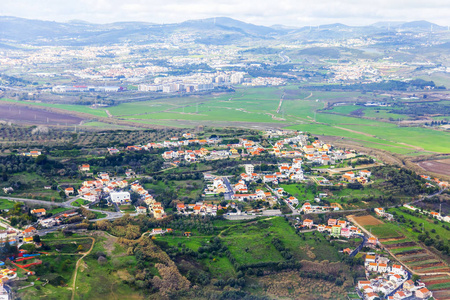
{"type": "Point", "coordinates": [174, 142]}
{"type": "Point", "coordinates": [56, 220]}
{"type": "Point", "coordinates": [361, 177]}
{"type": "Point", "coordinates": [154, 207]}
{"type": "Point", "coordinates": [316, 152]}
{"type": "Point", "coordinates": [14, 236]}
{"type": "Point", "coordinates": [433, 214]}
{"type": "Point", "coordinates": [203, 208]}
{"type": "Point", "coordinates": [6, 274]}
{"type": "Point", "coordinates": [103, 186]}
{"type": "Point", "coordinates": [307, 208]}
{"type": "Point", "coordinates": [216, 185]}
{"type": "Point", "coordinates": [383, 214]}
{"type": "Point", "coordinates": [113, 151]}
{"type": "Point", "coordinates": [391, 279]}
{"type": "Point", "coordinates": [93, 190]}
{"type": "Point", "coordinates": [194, 155]}
{"type": "Point", "coordinates": [257, 195]}
{"type": "Point", "coordinates": [32, 153]}
{"type": "Point", "coordinates": [275, 133]}
{"type": "Point", "coordinates": [336, 228]}
{"type": "Point", "coordinates": [286, 172]}
{"type": "Point", "coordinates": [441, 184]}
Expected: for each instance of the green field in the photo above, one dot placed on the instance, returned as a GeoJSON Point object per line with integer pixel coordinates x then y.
{"type": "Point", "coordinates": [384, 231]}
{"type": "Point", "coordinates": [251, 243]}
{"type": "Point", "coordinates": [80, 202]}
{"type": "Point", "coordinates": [6, 204]}
{"type": "Point", "coordinates": [58, 210]}
{"type": "Point", "coordinates": [259, 105]}
{"type": "Point", "coordinates": [422, 222]}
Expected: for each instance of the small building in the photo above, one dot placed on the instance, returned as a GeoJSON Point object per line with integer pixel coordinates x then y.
{"type": "Point", "coordinates": [120, 197]}
{"type": "Point", "coordinates": [85, 168]}
{"type": "Point", "coordinates": [397, 269]}
{"type": "Point", "coordinates": [38, 212]}
{"type": "Point", "coordinates": [69, 191]}
{"type": "Point", "coordinates": [372, 241]}
{"type": "Point", "coordinates": [336, 230]}
{"type": "Point", "coordinates": [308, 223]}
{"type": "Point", "coordinates": [157, 231]}
{"type": "Point", "coordinates": [141, 209]}
{"type": "Point", "coordinates": [423, 293]}
{"type": "Point", "coordinates": [408, 285]}
{"type": "Point", "coordinates": [332, 222]}
{"type": "Point", "coordinates": [372, 267]}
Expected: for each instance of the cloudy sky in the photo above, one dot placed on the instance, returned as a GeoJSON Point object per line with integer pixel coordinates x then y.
{"type": "Point", "coordinates": [261, 12]}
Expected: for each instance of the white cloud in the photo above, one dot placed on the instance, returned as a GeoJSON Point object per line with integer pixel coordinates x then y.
{"type": "Point", "coordinates": [263, 12]}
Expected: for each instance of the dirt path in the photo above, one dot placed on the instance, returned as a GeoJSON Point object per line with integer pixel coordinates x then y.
{"type": "Point", "coordinates": [354, 131]}
{"type": "Point", "coordinates": [74, 285]}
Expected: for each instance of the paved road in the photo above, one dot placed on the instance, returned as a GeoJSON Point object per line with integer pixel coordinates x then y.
{"type": "Point", "coordinates": [43, 202]}
{"type": "Point", "coordinates": [284, 57]}
{"type": "Point", "coordinates": [67, 204]}
{"type": "Point", "coordinates": [357, 249]}
{"type": "Point", "coordinates": [228, 194]}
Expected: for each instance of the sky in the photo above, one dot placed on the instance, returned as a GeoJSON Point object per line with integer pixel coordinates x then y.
{"type": "Point", "coordinates": [261, 12]}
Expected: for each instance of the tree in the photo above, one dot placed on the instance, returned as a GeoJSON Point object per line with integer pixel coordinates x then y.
{"type": "Point", "coordinates": [36, 238]}
{"type": "Point", "coordinates": [80, 248]}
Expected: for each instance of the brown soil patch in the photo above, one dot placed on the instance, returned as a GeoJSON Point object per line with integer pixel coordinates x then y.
{"type": "Point", "coordinates": [429, 266]}
{"type": "Point", "coordinates": [442, 295]}
{"type": "Point", "coordinates": [391, 239]}
{"type": "Point", "coordinates": [411, 253]}
{"type": "Point", "coordinates": [400, 245]}
{"type": "Point", "coordinates": [436, 166]}
{"type": "Point", "coordinates": [432, 277]}
{"type": "Point", "coordinates": [367, 220]}
{"type": "Point", "coordinates": [24, 114]}
{"type": "Point", "coordinates": [108, 244]}
{"type": "Point", "coordinates": [308, 251]}
{"type": "Point", "coordinates": [353, 131]}
{"type": "Point", "coordinates": [416, 258]}
{"type": "Point", "coordinates": [438, 281]}
{"type": "Point", "coordinates": [358, 112]}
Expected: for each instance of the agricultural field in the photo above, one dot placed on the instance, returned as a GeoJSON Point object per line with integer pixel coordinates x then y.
{"type": "Point", "coordinates": [438, 166]}
{"type": "Point", "coordinates": [246, 107]}
{"type": "Point", "coordinates": [403, 242]}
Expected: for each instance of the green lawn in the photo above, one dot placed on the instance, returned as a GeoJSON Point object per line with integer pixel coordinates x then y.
{"type": "Point", "coordinates": [384, 231]}
{"type": "Point", "coordinates": [58, 210]}
{"type": "Point", "coordinates": [6, 204]}
{"type": "Point", "coordinates": [80, 202]}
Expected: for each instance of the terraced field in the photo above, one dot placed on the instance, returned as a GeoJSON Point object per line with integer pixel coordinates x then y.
{"type": "Point", "coordinates": [421, 261]}
{"type": "Point", "coordinates": [440, 284]}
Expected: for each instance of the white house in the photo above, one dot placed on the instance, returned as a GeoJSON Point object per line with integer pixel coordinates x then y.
{"type": "Point", "coordinates": [120, 197]}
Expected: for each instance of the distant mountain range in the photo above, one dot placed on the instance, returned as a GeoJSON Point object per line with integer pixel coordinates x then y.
{"type": "Point", "coordinates": [219, 30]}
